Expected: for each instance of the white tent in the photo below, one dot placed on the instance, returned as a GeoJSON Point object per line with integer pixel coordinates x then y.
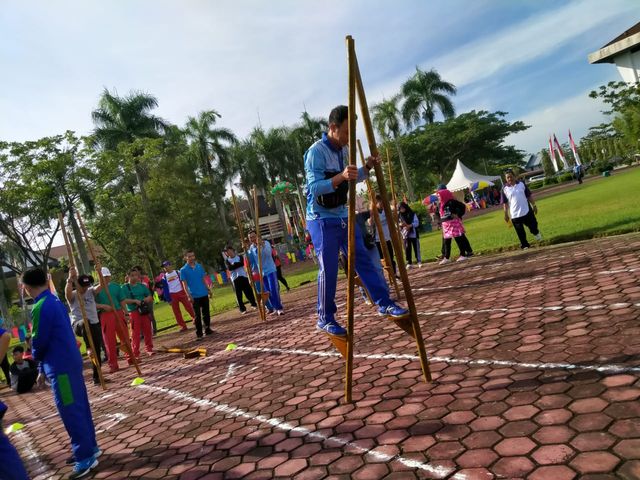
{"type": "Point", "coordinates": [463, 177]}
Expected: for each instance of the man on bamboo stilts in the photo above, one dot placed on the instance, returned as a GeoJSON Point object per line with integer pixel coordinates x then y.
{"type": "Point", "coordinates": [54, 346]}
{"type": "Point", "coordinates": [327, 173]}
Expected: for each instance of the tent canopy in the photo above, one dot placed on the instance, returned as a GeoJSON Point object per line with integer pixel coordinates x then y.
{"type": "Point", "coordinates": [463, 177]}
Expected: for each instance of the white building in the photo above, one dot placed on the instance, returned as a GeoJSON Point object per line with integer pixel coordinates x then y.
{"type": "Point", "coordinates": [624, 51]}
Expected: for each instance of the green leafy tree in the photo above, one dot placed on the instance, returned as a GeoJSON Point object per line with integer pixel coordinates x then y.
{"type": "Point", "coordinates": [386, 119]}
{"type": "Point", "coordinates": [210, 147]}
{"type": "Point", "coordinates": [120, 120]}
{"type": "Point", "coordinates": [426, 93]}
{"type": "Point", "coordinates": [624, 106]}
{"type": "Point", "coordinates": [547, 165]}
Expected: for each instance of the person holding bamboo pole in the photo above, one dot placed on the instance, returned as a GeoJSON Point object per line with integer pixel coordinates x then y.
{"type": "Point", "coordinates": [84, 288]}
{"type": "Point", "coordinates": [261, 261]}
{"type": "Point", "coordinates": [327, 175]}
{"type": "Point", "coordinates": [54, 346]}
{"type": "Point", "coordinates": [112, 321]}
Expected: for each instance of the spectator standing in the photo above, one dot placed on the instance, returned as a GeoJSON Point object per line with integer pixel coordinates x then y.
{"type": "Point", "coordinates": [518, 203]}
{"type": "Point", "coordinates": [194, 282]}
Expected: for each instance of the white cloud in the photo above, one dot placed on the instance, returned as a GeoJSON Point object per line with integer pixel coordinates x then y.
{"type": "Point", "coordinates": [577, 113]}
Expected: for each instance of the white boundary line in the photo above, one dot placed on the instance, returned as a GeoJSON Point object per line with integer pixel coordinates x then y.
{"type": "Point", "coordinates": [439, 471]}
{"type": "Point", "coordinates": [553, 308]}
{"type": "Point", "coordinates": [610, 368]}
{"type": "Point", "coordinates": [26, 441]}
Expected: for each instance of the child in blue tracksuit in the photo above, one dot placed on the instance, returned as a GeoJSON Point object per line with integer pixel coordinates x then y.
{"type": "Point", "coordinates": [269, 272]}
{"type": "Point", "coordinates": [327, 175]}
{"type": "Point", "coordinates": [54, 346]}
{"type": "Point", "coordinates": [11, 467]}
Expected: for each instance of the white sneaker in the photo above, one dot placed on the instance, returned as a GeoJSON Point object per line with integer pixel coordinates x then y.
{"type": "Point", "coordinates": [461, 258]}
{"type": "Point", "coordinates": [409, 266]}
{"type": "Point", "coordinates": [538, 237]}
{"type": "Point", "coordinates": [244, 312]}
{"type": "Point", "coordinates": [444, 261]}
{"type": "Point", "coordinates": [419, 265]}
{"type": "Point", "coordinates": [280, 312]}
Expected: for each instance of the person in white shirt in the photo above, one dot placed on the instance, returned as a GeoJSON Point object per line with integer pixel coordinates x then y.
{"type": "Point", "coordinates": [235, 265]}
{"type": "Point", "coordinates": [518, 203]}
{"type": "Point", "coordinates": [173, 292]}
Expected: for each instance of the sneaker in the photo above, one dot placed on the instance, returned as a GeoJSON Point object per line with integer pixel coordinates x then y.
{"type": "Point", "coordinates": [280, 312]}
{"type": "Point", "coordinates": [444, 261]}
{"type": "Point", "coordinates": [461, 258]}
{"type": "Point", "coordinates": [393, 310]}
{"type": "Point", "coordinates": [183, 329]}
{"type": "Point", "coordinates": [198, 335]}
{"type": "Point", "coordinates": [96, 454]}
{"type": "Point", "coordinates": [270, 312]}
{"type": "Point", "coordinates": [419, 265]}
{"type": "Point", "coordinates": [81, 469]}
{"type": "Point", "coordinates": [409, 266]}
{"type": "Point", "coordinates": [332, 328]}
{"type": "Point", "coordinates": [208, 331]}
{"type": "Point", "coordinates": [538, 237]}
{"type": "Point", "coordinates": [151, 354]}
{"type": "Point", "coordinates": [254, 307]}
{"type": "Point", "coordinates": [243, 312]}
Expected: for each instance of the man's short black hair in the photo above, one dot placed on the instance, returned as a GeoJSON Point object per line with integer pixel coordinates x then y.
{"type": "Point", "coordinates": [339, 114]}
{"type": "Point", "coordinates": [35, 277]}
{"type": "Point", "coordinates": [138, 268]}
{"type": "Point", "coordinates": [134, 269]}
{"type": "Point", "coordinates": [18, 348]}
{"type": "Point", "coordinates": [250, 232]}
{"type": "Point", "coordinates": [187, 250]}
{"type": "Point", "coordinates": [229, 247]}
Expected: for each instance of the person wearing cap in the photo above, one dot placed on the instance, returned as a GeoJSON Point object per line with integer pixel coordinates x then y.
{"type": "Point", "coordinates": [174, 293]}
{"type": "Point", "coordinates": [235, 265]}
{"type": "Point", "coordinates": [112, 320]}
{"type": "Point", "coordinates": [54, 346]}
{"type": "Point", "coordinates": [83, 284]}
{"type": "Point", "coordinates": [328, 173]}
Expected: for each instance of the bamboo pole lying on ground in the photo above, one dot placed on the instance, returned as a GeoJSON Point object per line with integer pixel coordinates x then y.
{"type": "Point", "coordinates": [93, 355]}
{"type": "Point", "coordinates": [123, 333]}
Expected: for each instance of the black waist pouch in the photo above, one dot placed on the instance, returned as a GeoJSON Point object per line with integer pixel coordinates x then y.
{"type": "Point", "coordinates": [336, 198]}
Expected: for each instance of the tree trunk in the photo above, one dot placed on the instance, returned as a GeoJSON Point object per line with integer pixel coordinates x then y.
{"type": "Point", "coordinates": [252, 214]}
{"type": "Point", "coordinates": [84, 266]}
{"type": "Point", "coordinates": [405, 172]}
{"type": "Point", "coordinates": [4, 305]}
{"type": "Point", "coordinates": [155, 239]}
{"type": "Point", "coordinates": [222, 213]}
{"type": "Point", "coordinates": [281, 215]}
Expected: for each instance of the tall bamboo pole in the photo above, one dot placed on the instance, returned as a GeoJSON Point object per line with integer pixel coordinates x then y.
{"type": "Point", "coordinates": [241, 233]}
{"type": "Point", "coordinates": [351, 221]}
{"type": "Point", "coordinates": [256, 222]}
{"type": "Point", "coordinates": [94, 354]}
{"type": "Point", "coordinates": [393, 226]}
{"type": "Point", "coordinates": [394, 200]}
{"type": "Point", "coordinates": [388, 266]}
{"type": "Point", "coordinates": [123, 333]}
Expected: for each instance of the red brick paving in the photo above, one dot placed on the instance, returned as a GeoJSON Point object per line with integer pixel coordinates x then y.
{"type": "Point", "coordinates": [496, 408]}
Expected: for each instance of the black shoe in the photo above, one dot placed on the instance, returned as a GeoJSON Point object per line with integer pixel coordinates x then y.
{"type": "Point", "coordinates": [208, 331]}
{"type": "Point", "coordinates": [199, 334]}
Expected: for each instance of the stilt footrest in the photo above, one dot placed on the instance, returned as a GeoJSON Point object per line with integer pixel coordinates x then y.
{"type": "Point", "coordinates": [340, 343]}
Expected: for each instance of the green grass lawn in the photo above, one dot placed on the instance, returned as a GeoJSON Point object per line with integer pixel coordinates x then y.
{"type": "Point", "coordinates": [595, 209]}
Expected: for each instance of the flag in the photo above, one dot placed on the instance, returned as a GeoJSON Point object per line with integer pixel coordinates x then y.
{"type": "Point", "coordinates": [52, 286]}
{"type": "Point", "coordinates": [560, 154]}
{"type": "Point", "coordinates": [552, 154]}
{"type": "Point", "coordinates": [574, 149]}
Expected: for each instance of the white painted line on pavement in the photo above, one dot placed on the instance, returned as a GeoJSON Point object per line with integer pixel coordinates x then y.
{"type": "Point", "coordinates": [610, 368]}
{"type": "Point", "coordinates": [552, 308]}
{"type": "Point", "coordinates": [437, 470]}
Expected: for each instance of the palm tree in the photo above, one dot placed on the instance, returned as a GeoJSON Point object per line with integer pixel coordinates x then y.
{"type": "Point", "coordinates": [211, 144]}
{"type": "Point", "coordinates": [386, 119]}
{"type": "Point", "coordinates": [310, 129]}
{"type": "Point", "coordinates": [424, 93]}
{"type": "Point", "coordinates": [125, 119]}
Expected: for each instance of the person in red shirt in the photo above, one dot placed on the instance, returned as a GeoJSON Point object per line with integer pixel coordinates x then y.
{"type": "Point", "coordinates": [276, 260]}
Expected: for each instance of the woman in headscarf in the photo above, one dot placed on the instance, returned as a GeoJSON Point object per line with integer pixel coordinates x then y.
{"type": "Point", "coordinates": [451, 212]}
{"type": "Point", "coordinates": [409, 223]}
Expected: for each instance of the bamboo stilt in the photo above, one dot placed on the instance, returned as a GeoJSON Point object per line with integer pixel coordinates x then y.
{"type": "Point", "coordinates": [124, 335]}
{"type": "Point", "coordinates": [94, 354]}
{"type": "Point", "coordinates": [393, 226]}
{"type": "Point", "coordinates": [394, 200]}
{"type": "Point", "coordinates": [388, 265]}
{"type": "Point", "coordinates": [241, 233]}
{"type": "Point", "coordinates": [256, 221]}
{"type": "Point", "coordinates": [351, 222]}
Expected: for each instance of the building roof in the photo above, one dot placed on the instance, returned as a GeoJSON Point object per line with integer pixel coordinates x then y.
{"type": "Point", "coordinates": [629, 40]}
{"type": "Point", "coordinates": [534, 161]}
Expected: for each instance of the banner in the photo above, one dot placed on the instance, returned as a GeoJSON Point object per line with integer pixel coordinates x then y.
{"type": "Point", "coordinates": [552, 154]}
{"type": "Point", "coordinates": [560, 153]}
{"type": "Point", "coordinates": [574, 149]}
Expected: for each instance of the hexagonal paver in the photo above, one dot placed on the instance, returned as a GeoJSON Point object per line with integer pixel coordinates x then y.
{"type": "Point", "coordinates": [552, 454]}
{"type": "Point", "coordinates": [510, 447]}
{"type": "Point", "coordinates": [595, 462]}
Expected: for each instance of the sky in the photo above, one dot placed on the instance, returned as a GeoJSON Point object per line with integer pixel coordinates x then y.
{"type": "Point", "coordinates": [256, 61]}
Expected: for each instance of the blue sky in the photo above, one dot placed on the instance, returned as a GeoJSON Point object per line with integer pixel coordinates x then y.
{"type": "Point", "coordinates": [526, 57]}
